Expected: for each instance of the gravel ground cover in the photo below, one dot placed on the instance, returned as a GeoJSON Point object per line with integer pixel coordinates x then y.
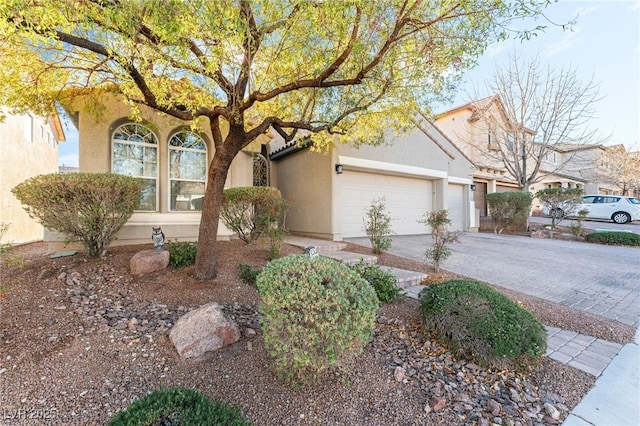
{"type": "Point", "coordinates": [81, 339]}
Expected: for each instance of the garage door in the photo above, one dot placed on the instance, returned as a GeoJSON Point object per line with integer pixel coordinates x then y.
{"type": "Point", "coordinates": [407, 199]}
{"type": "Point", "coordinates": [456, 202]}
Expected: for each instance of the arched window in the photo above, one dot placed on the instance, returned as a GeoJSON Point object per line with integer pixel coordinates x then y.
{"type": "Point", "coordinates": [135, 153]}
{"type": "Point", "coordinates": [187, 171]}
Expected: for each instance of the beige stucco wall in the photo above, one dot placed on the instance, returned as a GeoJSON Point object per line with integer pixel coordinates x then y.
{"type": "Point", "coordinates": [95, 156]}
{"type": "Point", "coordinates": [306, 180]}
{"type": "Point", "coordinates": [417, 150]}
{"type": "Point", "coordinates": [23, 154]}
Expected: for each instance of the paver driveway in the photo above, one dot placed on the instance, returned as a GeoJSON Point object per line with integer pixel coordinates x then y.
{"type": "Point", "coordinates": [603, 280]}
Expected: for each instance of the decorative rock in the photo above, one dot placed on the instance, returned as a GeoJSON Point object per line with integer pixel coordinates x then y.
{"type": "Point", "coordinates": [552, 411]}
{"type": "Point", "coordinates": [398, 374]}
{"type": "Point", "coordinates": [437, 403]}
{"type": "Point", "coordinates": [493, 407]}
{"type": "Point", "coordinates": [148, 261]}
{"type": "Point", "coordinates": [203, 330]}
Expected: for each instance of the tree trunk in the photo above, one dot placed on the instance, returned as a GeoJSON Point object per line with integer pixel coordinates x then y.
{"type": "Point", "coordinates": [206, 258]}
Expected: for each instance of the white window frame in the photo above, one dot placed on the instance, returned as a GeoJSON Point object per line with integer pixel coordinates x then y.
{"type": "Point", "coordinates": [171, 179]}
{"type": "Point", "coordinates": [148, 133]}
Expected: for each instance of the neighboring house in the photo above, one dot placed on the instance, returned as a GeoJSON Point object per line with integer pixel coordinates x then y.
{"type": "Point", "coordinates": [475, 127]}
{"type": "Point", "coordinates": [422, 171]}
{"type": "Point", "coordinates": [582, 167]}
{"type": "Point", "coordinates": [28, 147]}
{"type": "Point", "coordinates": [419, 173]}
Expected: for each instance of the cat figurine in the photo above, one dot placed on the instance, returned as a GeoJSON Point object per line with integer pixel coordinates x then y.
{"type": "Point", "coordinates": [157, 236]}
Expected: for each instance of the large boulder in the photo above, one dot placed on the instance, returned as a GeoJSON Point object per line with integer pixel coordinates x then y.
{"type": "Point", "coordinates": [148, 261]}
{"type": "Point", "coordinates": [203, 330]}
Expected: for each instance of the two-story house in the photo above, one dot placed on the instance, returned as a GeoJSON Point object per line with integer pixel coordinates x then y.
{"type": "Point", "coordinates": [477, 128]}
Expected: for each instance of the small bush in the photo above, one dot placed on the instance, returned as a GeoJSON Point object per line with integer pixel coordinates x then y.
{"type": "Point", "coordinates": [89, 207]}
{"type": "Point", "coordinates": [377, 225]}
{"type": "Point", "coordinates": [178, 407]}
{"type": "Point", "coordinates": [577, 227]}
{"type": "Point", "coordinates": [248, 274]}
{"type": "Point", "coordinates": [482, 325]}
{"type": "Point", "coordinates": [614, 238]}
{"type": "Point", "coordinates": [439, 223]}
{"type": "Point", "coordinates": [250, 211]}
{"type": "Point", "coordinates": [181, 253]}
{"type": "Point", "coordinates": [383, 282]}
{"type": "Point", "coordinates": [509, 209]}
{"type": "Point", "coordinates": [315, 313]}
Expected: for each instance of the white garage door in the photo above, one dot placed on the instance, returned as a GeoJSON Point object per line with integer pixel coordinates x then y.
{"type": "Point", "coordinates": [456, 207]}
{"type": "Point", "coordinates": [407, 199]}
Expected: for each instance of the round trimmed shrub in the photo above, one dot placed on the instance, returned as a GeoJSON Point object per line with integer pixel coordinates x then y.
{"type": "Point", "coordinates": [315, 312]}
{"type": "Point", "coordinates": [178, 407]}
{"type": "Point", "coordinates": [482, 325]}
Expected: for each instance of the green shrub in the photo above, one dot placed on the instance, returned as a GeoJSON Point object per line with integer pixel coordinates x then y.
{"type": "Point", "coordinates": [482, 325]}
{"type": "Point", "coordinates": [251, 210]}
{"type": "Point", "coordinates": [181, 253]}
{"type": "Point", "coordinates": [509, 209]}
{"type": "Point", "coordinates": [377, 225]}
{"type": "Point", "coordinates": [178, 407]}
{"type": "Point", "coordinates": [615, 238]}
{"type": "Point", "coordinates": [315, 312]}
{"type": "Point", "coordinates": [89, 207]}
{"type": "Point", "coordinates": [248, 274]}
{"type": "Point", "coordinates": [383, 282]}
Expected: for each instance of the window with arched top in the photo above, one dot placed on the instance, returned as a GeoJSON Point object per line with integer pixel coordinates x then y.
{"type": "Point", "coordinates": [187, 171]}
{"type": "Point", "coordinates": [135, 153]}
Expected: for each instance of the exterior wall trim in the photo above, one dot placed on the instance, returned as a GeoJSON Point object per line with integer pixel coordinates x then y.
{"type": "Point", "coordinates": [352, 163]}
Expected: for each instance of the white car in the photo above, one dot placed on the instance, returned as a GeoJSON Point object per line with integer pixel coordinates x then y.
{"type": "Point", "coordinates": [618, 208]}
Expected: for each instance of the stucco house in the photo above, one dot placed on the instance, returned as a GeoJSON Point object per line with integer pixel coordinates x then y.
{"type": "Point", "coordinates": [167, 153]}
{"type": "Point", "coordinates": [419, 172]}
{"type": "Point", "coordinates": [476, 127]}
{"type": "Point", "coordinates": [481, 127]}
{"type": "Point", "coordinates": [28, 147]}
{"type": "Point", "coordinates": [329, 193]}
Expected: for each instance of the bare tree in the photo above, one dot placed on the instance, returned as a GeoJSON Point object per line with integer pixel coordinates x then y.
{"type": "Point", "coordinates": [620, 168]}
{"type": "Point", "coordinates": [542, 113]}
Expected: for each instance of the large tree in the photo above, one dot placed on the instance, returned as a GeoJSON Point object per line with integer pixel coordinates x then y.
{"type": "Point", "coordinates": [544, 112]}
{"type": "Point", "coordinates": [343, 70]}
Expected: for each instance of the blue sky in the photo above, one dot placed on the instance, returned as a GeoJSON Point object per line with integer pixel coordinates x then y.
{"type": "Point", "coordinates": [604, 45]}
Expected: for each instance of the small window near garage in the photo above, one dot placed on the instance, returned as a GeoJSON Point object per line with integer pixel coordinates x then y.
{"type": "Point", "coordinates": [135, 153]}
{"type": "Point", "coordinates": [187, 171]}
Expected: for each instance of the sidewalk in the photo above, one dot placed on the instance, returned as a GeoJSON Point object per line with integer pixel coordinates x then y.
{"type": "Point", "coordinates": [615, 398]}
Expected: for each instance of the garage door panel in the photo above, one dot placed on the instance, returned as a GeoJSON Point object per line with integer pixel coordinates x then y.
{"type": "Point", "coordinates": [406, 200]}
{"type": "Point", "coordinates": [455, 194]}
